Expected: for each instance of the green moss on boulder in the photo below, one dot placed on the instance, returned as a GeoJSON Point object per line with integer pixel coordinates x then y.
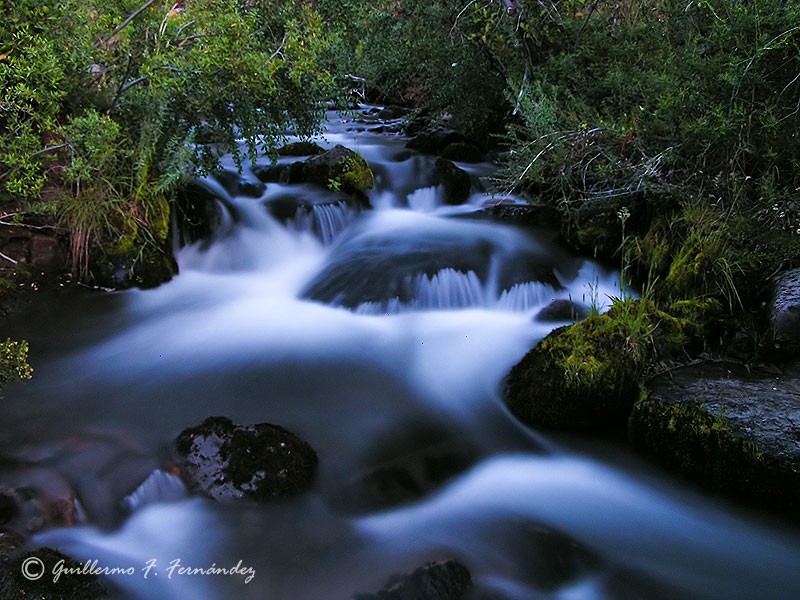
{"type": "Point", "coordinates": [586, 376]}
{"type": "Point", "coordinates": [339, 167]}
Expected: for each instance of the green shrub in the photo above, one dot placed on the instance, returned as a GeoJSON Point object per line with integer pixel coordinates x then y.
{"type": "Point", "coordinates": [14, 362]}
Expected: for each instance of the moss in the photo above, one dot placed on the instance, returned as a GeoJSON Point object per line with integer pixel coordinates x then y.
{"type": "Point", "coordinates": [586, 376]}
{"type": "Point", "coordinates": [579, 377]}
{"type": "Point", "coordinates": [655, 248]}
{"type": "Point", "coordinates": [357, 175]}
{"type": "Point", "coordinates": [158, 212]}
{"type": "Point", "coordinates": [692, 268]}
{"type": "Point", "coordinates": [701, 445]}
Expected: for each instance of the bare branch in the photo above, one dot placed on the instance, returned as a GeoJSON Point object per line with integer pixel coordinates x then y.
{"type": "Point", "coordinates": [128, 19]}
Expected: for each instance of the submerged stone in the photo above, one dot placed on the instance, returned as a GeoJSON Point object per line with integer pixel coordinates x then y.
{"type": "Point", "coordinates": [408, 469]}
{"type": "Point", "coordinates": [227, 461]}
{"type": "Point", "coordinates": [444, 580]}
{"type": "Point", "coordinates": [731, 429]}
{"type": "Point", "coordinates": [428, 264]}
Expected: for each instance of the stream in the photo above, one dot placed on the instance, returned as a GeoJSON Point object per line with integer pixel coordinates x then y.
{"type": "Point", "coordinates": [381, 337]}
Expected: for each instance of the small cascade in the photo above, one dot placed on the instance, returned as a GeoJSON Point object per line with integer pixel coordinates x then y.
{"type": "Point", "coordinates": [526, 296]}
{"type": "Point", "coordinates": [158, 487]}
{"type": "Point", "coordinates": [325, 221]}
{"type": "Point", "coordinates": [331, 220]}
{"type": "Point", "coordinates": [448, 289]}
{"type": "Point", "coordinates": [425, 199]}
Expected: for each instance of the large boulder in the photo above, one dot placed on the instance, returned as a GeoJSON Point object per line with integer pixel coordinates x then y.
{"type": "Point", "coordinates": [388, 258]}
{"type": "Point", "coordinates": [731, 429]}
{"type": "Point", "coordinates": [229, 462]}
{"type": "Point", "coordinates": [579, 377]}
{"type": "Point", "coordinates": [586, 376]}
{"type": "Point", "coordinates": [785, 311]}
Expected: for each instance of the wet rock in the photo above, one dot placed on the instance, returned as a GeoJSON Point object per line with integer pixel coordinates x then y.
{"type": "Point", "coordinates": [339, 168]}
{"type": "Point", "coordinates": [76, 480]}
{"type": "Point", "coordinates": [462, 152]}
{"type": "Point", "coordinates": [401, 262]}
{"type": "Point", "coordinates": [44, 252]}
{"type": "Point", "coordinates": [559, 311]}
{"type": "Point", "coordinates": [524, 215]}
{"type": "Point", "coordinates": [227, 461]}
{"type": "Point", "coordinates": [239, 184]}
{"type": "Point", "coordinates": [148, 268]}
{"type": "Point", "coordinates": [40, 498]}
{"type": "Point", "coordinates": [455, 181]}
{"type": "Point", "coordinates": [445, 580]}
{"type": "Point", "coordinates": [435, 141]}
{"type": "Point", "coordinates": [199, 213]}
{"type": "Point", "coordinates": [301, 149]}
{"type": "Point", "coordinates": [731, 429]}
{"type": "Point", "coordinates": [785, 311]}
{"type": "Point", "coordinates": [76, 583]}
{"type": "Point", "coordinates": [325, 214]}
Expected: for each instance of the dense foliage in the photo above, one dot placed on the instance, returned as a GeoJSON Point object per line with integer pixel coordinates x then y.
{"type": "Point", "coordinates": [103, 103]}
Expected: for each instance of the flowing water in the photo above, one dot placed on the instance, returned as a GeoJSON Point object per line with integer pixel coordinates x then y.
{"type": "Point", "coordinates": [381, 337]}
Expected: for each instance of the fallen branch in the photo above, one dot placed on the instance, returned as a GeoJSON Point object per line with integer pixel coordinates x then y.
{"type": "Point", "coordinates": [8, 258]}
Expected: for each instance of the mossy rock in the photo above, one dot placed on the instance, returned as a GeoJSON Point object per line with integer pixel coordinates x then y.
{"type": "Point", "coordinates": [340, 168]}
{"type": "Point", "coordinates": [586, 376]}
{"type": "Point", "coordinates": [579, 377]}
{"type": "Point", "coordinates": [731, 429]}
